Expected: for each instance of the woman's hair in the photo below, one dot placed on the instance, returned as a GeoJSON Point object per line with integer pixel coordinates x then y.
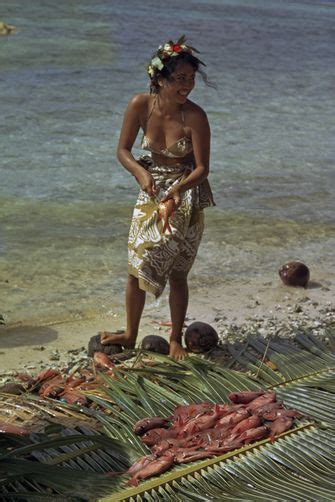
{"type": "Point", "coordinates": [170, 66]}
{"type": "Point", "coordinates": [168, 57]}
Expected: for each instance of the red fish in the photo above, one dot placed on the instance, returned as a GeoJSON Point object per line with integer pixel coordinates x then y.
{"type": "Point", "coordinates": [254, 434]}
{"type": "Point", "coordinates": [183, 456]}
{"type": "Point", "coordinates": [153, 468]}
{"type": "Point", "coordinates": [268, 407]}
{"type": "Point", "coordinates": [203, 422]}
{"type": "Point", "coordinates": [146, 424]}
{"type": "Point", "coordinates": [233, 418]}
{"type": "Point", "coordinates": [166, 444]}
{"type": "Point", "coordinates": [141, 463]}
{"type": "Point", "coordinates": [184, 413]}
{"type": "Point", "coordinates": [208, 436]}
{"type": "Point", "coordinates": [73, 397]}
{"type": "Point", "coordinates": [72, 382]}
{"type": "Point", "coordinates": [227, 409]}
{"type": "Point", "coordinates": [103, 360]}
{"type": "Point", "coordinates": [244, 397]}
{"type": "Point", "coordinates": [165, 210]}
{"type": "Point", "coordinates": [52, 387]}
{"type": "Point", "coordinates": [7, 428]}
{"type": "Point", "coordinates": [280, 412]}
{"type": "Point", "coordinates": [219, 447]}
{"type": "Point", "coordinates": [280, 425]}
{"type": "Point", "coordinates": [247, 423]}
{"type": "Point", "coordinates": [269, 397]}
{"type": "Point", "coordinates": [155, 436]}
{"type": "Point", "coordinates": [45, 374]}
{"type": "Point", "coordinates": [24, 377]}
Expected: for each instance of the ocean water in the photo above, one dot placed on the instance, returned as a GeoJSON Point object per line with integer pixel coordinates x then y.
{"type": "Point", "coordinates": [65, 203]}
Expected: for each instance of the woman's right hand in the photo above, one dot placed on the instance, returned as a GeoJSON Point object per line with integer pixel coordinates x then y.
{"type": "Point", "coordinates": [147, 183]}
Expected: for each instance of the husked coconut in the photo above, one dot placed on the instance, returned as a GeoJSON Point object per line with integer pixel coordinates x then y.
{"type": "Point", "coordinates": [155, 343]}
{"type": "Point", "coordinates": [201, 337]}
{"type": "Point", "coordinates": [294, 273]}
{"type": "Point", "coordinates": [95, 345]}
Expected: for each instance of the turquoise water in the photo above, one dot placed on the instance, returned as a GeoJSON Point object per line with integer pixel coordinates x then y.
{"type": "Point", "coordinates": [65, 203]}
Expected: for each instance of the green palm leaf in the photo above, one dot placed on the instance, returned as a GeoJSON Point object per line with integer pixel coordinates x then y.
{"type": "Point", "coordinates": [297, 466]}
{"type": "Point", "coordinates": [278, 471]}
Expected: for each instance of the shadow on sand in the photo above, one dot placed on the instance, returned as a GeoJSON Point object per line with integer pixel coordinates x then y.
{"type": "Point", "coordinates": [26, 335]}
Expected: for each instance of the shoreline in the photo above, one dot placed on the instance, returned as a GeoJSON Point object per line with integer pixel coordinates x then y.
{"type": "Point", "coordinates": [263, 304]}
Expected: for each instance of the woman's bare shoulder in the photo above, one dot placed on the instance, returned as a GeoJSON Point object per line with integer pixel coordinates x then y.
{"type": "Point", "coordinates": [194, 111]}
{"type": "Point", "coordinates": [140, 101]}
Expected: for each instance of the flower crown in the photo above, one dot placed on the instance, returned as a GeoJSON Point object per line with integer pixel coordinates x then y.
{"type": "Point", "coordinates": [166, 51]}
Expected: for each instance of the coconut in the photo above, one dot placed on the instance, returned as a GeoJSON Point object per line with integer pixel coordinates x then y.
{"type": "Point", "coordinates": [155, 343]}
{"type": "Point", "coordinates": [95, 345]}
{"type": "Point", "coordinates": [201, 337]}
{"type": "Point", "coordinates": [294, 273]}
{"type": "Point", "coordinates": [12, 388]}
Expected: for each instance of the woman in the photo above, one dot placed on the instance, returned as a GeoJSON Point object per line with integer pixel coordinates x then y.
{"type": "Point", "coordinates": [177, 133]}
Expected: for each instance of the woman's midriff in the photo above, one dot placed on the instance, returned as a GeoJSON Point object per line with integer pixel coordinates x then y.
{"type": "Point", "coordinates": [162, 160]}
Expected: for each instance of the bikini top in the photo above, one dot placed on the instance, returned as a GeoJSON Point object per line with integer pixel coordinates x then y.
{"type": "Point", "coordinates": [179, 149]}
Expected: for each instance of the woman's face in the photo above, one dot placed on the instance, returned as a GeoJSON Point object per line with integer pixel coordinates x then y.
{"type": "Point", "coordinates": [180, 83]}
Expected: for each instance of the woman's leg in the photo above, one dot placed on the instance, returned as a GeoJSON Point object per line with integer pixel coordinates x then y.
{"type": "Point", "coordinates": [178, 307]}
{"type": "Point", "coordinates": [135, 300]}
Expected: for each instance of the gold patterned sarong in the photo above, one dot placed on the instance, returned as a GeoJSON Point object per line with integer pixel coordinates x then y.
{"type": "Point", "coordinates": [152, 254]}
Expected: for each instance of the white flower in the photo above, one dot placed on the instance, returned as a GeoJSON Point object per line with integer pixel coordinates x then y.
{"type": "Point", "coordinates": [157, 63]}
{"type": "Point", "coordinates": [151, 71]}
{"type": "Point", "coordinates": [167, 48]}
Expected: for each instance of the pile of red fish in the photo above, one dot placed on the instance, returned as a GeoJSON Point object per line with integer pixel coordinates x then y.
{"type": "Point", "coordinates": [58, 385]}
{"type": "Point", "coordinates": [198, 431]}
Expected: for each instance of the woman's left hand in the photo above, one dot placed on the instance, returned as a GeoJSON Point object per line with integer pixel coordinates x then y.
{"type": "Point", "coordinates": [173, 194]}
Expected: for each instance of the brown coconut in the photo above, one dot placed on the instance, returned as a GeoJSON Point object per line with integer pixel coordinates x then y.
{"type": "Point", "coordinates": [12, 388]}
{"type": "Point", "coordinates": [294, 273]}
{"type": "Point", "coordinates": [155, 343]}
{"type": "Point", "coordinates": [201, 337]}
{"type": "Point", "coordinates": [95, 345]}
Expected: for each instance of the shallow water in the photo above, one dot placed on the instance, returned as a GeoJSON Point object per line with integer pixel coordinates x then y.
{"type": "Point", "coordinates": [65, 79]}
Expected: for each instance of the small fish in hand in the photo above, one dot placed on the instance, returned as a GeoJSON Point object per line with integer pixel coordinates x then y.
{"type": "Point", "coordinates": [165, 210]}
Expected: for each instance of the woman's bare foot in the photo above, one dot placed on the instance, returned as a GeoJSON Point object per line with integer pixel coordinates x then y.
{"type": "Point", "coordinates": [107, 337]}
{"type": "Point", "coordinates": [177, 352]}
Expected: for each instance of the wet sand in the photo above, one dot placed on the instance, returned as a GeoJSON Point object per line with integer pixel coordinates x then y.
{"type": "Point", "coordinates": [264, 303]}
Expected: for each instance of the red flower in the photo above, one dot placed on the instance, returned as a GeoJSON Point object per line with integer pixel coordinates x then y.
{"type": "Point", "coordinates": [176, 48]}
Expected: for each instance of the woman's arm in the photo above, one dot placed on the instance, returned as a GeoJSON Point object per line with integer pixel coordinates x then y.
{"type": "Point", "coordinates": [200, 131]}
{"type": "Point", "coordinates": [129, 130]}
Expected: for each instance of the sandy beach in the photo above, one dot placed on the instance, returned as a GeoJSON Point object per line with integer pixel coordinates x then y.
{"type": "Point", "coordinates": [263, 303]}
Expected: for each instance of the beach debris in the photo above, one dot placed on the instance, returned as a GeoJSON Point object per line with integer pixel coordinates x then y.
{"type": "Point", "coordinates": [155, 343]}
{"type": "Point", "coordinates": [201, 337]}
{"type": "Point", "coordinates": [204, 430]}
{"type": "Point", "coordinates": [294, 273]}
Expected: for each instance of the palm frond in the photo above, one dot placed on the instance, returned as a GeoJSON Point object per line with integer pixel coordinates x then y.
{"type": "Point", "coordinates": [79, 446]}
{"type": "Point", "coordinates": [284, 470]}
{"type": "Point", "coordinates": [58, 462]}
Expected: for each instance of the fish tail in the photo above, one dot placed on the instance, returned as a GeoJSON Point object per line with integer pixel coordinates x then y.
{"type": "Point", "coordinates": [166, 227]}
